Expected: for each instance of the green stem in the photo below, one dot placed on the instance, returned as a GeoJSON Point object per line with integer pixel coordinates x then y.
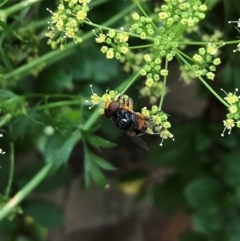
{"type": "Point", "coordinates": [142, 46]}
{"type": "Point", "coordinates": [19, 6]}
{"type": "Point", "coordinates": [212, 42]}
{"type": "Point", "coordinates": [186, 56]}
{"type": "Point", "coordinates": [59, 103]}
{"type": "Point", "coordinates": [164, 86]}
{"type": "Point", "coordinates": [100, 27]}
{"type": "Point", "coordinates": [35, 24]}
{"type": "Point", "coordinates": [129, 82]}
{"type": "Point", "coordinates": [11, 170]}
{"type": "Point", "coordinates": [56, 55]}
{"type": "Point", "coordinates": [42, 95]}
{"type": "Point", "coordinates": [19, 196]}
{"type": "Point", "coordinates": [232, 42]}
{"type": "Point", "coordinates": [201, 79]}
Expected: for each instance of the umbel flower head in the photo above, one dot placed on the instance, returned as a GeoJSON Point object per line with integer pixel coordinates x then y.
{"type": "Point", "coordinates": [65, 22]}
{"type": "Point", "coordinates": [157, 121]}
{"type": "Point", "coordinates": [233, 115]}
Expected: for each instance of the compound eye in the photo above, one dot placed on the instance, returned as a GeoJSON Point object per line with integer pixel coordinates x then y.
{"type": "Point", "coordinates": [112, 108]}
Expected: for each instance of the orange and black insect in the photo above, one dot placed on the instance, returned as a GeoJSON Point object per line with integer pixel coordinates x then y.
{"type": "Point", "coordinates": [121, 113]}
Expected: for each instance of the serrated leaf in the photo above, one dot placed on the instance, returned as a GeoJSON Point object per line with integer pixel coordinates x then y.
{"type": "Point", "coordinates": [92, 169]}
{"type": "Point", "coordinates": [98, 141]}
{"type": "Point", "coordinates": [45, 213]}
{"type": "Point", "coordinates": [102, 163]}
{"type": "Point", "coordinates": [98, 176]}
{"type": "Point", "coordinates": [63, 154]}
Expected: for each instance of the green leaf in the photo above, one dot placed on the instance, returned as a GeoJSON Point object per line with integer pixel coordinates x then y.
{"type": "Point", "coordinates": [6, 94]}
{"type": "Point", "coordinates": [98, 176]}
{"type": "Point", "coordinates": [102, 163]}
{"type": "Point", "coordinates": [98, 141]}
{"type": "Point", "coordinates": [45, 213]}
{"type": "Point", "coordinates": [92, 165]}
{"type": "Point", "coordinates": [210, 224]}
{"type": "Point", "coordinates": [50, 145]}
{"type": "Point", "coordinates": [65, 150]}
{"type": "Point", "coordinates": [204, 193]}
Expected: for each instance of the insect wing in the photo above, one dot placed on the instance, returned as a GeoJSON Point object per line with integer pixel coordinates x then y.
{"type": "Point", "coordinates": [140, 122]}
{"type": "Point", "coordinates": [138, 140]}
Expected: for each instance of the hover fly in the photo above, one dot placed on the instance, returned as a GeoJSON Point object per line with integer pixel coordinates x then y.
{"type": "Point", "coordinates": [121, 113]}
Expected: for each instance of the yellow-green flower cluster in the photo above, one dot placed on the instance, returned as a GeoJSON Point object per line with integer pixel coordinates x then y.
{"type": "Point", "coordinates": [108, 96]}
{"type": "Point", "coordinates": [152, 70]}
{"type": "Point", "coordinates": [117, 43]}
{"type": "Point", "coordinates": [188, 13]}
{"type": "Point", "coordinates": [142, 26]}
{"type": "Point", "coordinates": [233, 115]}
{"type": "Point", "coordinates": [65, 22]}
{"type": "Point", "coordinates": [205, 63]}
{"type": "Point", "coordinates": [162, 37]}
{"type": "Point", "coordinates": [158, 123]}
